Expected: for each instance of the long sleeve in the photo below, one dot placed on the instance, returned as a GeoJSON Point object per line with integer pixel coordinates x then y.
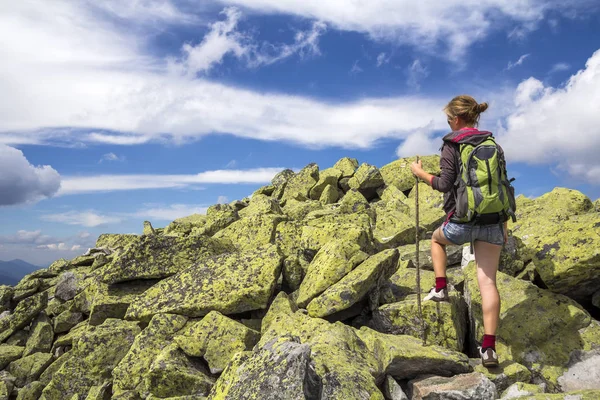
{"type": "Point", "coordinates": [445, 182]}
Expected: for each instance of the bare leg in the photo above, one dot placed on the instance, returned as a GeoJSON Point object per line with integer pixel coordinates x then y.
{"type": "Point", "coordinates": [487, 257]}
{"type": "Point", "coordinates": [438, 252]}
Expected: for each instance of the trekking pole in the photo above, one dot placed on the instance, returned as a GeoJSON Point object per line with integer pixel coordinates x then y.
{"type": "Point", "coordinates": [417, 258]}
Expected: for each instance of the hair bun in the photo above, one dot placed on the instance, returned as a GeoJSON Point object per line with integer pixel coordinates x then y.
{"type": "Point", "coordinates": [481, 107]}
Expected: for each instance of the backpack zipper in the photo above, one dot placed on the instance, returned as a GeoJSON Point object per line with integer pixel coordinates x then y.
{"type": "Point", "coordinates": [487, 163]}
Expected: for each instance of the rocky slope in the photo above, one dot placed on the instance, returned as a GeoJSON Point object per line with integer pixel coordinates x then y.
{"type": "Point", "coordinates": [307, 290]}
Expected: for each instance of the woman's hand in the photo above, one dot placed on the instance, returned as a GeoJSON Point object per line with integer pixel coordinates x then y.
{"type": "Point", "coordinates": [416, 167]}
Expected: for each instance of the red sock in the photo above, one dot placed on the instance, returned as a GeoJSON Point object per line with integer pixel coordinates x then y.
{"type": "Point", "coordinates": [440, 283]}
{"type": "Point", "coordinates": [488, 341]}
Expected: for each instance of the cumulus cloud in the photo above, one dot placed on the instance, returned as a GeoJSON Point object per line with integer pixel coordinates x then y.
{"type": "Point", "coordinates": [111, 157]}
{"type": "Point", "coordinates": [416, 72]}
{"type": "Point", "coordinates": [558, 125]}
{"type": "Point", "coordinates": [520, 61]}
{"type": "Point", "coordinates": [426, 24]}
{"type": "Point", "coordinates": [170, 213]}
{"type": "Point", "coordinates": [84, 218]}
{"type": "Point", "coordinates": [109, 183]}
{"type": "Point", "coordinates": [21, 182]}
{"type": "Point", "coordinates": [419, 143]}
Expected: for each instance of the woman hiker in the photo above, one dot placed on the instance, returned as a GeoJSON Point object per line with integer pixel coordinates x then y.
{"type": "Point", "coordinates": [486, 239]}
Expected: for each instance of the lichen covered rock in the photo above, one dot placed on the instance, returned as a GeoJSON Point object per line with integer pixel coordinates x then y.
{"type": "Point", "coordinates": [9, 354]}
{"type": "Point", "coordinates": [327, 177]}
{"type": "Point", "coordinates": [347, 165]}
{"type": "Point", "coordinates": [112, 301]}
{"type": "Point", "coordinates": [31, 391]}
{"type": "Point", "coordinates": [366, 179]}
{"type": "Point", "coordinates": [23, 314]}
{"type": "Point", "coordinates": [217, 339]}
{"type": "Point", "coordinates": [251, 232]}
{"type": "Point", "coordinates": [41, 337]}
{"type": "Point", "coordinates": [298, 187]}
{"type": "Point", "coordinates": [399, 174]}
{"type": "Point", "coordinates": [248, 279]}
{"type": "Point", "coordinates": [29, 369]}
{"type": "Point", "coordinates": [467, 386]}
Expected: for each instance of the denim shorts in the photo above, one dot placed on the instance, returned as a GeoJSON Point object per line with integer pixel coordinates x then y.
{"type": "Point", "coordinates": [465, 233]}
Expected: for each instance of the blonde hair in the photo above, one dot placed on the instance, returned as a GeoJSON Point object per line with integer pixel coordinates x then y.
{"type": "Point", "coordinates": [466, 108]}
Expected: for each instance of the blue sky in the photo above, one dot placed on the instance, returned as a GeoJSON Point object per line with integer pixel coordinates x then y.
{"type": "Point", "coordinates": [114, 114]}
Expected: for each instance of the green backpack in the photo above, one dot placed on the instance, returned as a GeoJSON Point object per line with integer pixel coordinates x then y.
{"type": "Point", "coordinates": [483, 192]}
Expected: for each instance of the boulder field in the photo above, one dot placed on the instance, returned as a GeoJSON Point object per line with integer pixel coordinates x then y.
{"type": "Point", "coordinates": [307, 290]}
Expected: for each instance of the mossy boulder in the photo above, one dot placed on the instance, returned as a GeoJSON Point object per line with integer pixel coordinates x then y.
{"type": "Point", "coordinates": [560, 231]}
{"type": "Point", "coordinates": [217, 339]}
{"type": "Point", "coordinates": [298, 187]}
{"type": "Point", "coordinates": [331, 263]}
{"type": "Point", "coordinates": [393, 228]}
{"type": "Point", "coordinates": [521, 390]}
{"type": "Point", "coordinates": [6, 295]}
{"type": "Point", "coordinates": [9, 354]}
{"type": "Point", "coordinates": [248, 279]}
{"type": "Point", "coordinates": [261, 204]}
{"type": "Point", "coordinates": [431, 213]}
{"type": "Point", "coordinates": [29, 369]}
{"type": "Point", "coordinates": [353, 202]}
{"type": "Point", "coordinates": [41, 337]}
{"type": "Point", "coordinates": [71, 338]}
{"type": "Point", "coordinates": [399, 174]}
{"type": "Point", "coordinates": [59, 266]}
{"type": "Point", "coordinates": [327, 177]}
{"type": "Point", "coordinates": [154, 257]}
{"type": "Point", "coordinates": [173, 373]}
{"type": "Point", "coordinates": [353, 228]}
{"type": "Point", "coordinates": [94, 357]}
{"type": "Point", "coordinates": [218, 217]}
{"type": "Point", "coordinates": [366, 179]}
{"type": "Point", "coordinates": [445, 323]}
{"type": "Point", "coordinates": [577, 395]}
{"type": "Point", "coordinates": [298, 210]}
{"type": "Point", "coordinates": [280, 369]}
{"type": "Point", "coordinates": [287, 237]}
{"type": "Point", "coordinates": [6, 385]}
{"type": "Point", "coordinates": [329, 195]}
{"type": "Point", "coordinates": [23, 314]}
{"type": "Point", "coordinates": [409, 252]}
{"type": "Point", "coordinates": [505, 375]}
{"type": "Point", "coordinates": [100, 392]}
{"type": "Point", "coordinates": [128, 374]}
{"type": "Point", "coordinates": [347, 165]}
{"type": "Point", "coordinates": [46, 376]}
{"type": "Point", "coordinates": [251, 232]}
{"type": "Point", "coordinates": [19, 338]}
{"type": "Point", "coordinates": [31, 391]}
{"type": "Point", "coordinates": [184, 226]}
{"type": "Point", "coordinates": [67, 285]}
{"type": "Point", "coordinates": [466, 386]}
{"type": "Point", "coordinates": [116, 242]}
{"type": "Point", "coordinates": [112, 301]}
{"type": "Point", "coordinates": [538, 328]}
{"type": "Point", "coordinates": [294, 271]}
{"type": "Point", "coordinates": [355, 285]}
{"type": "Point", "coordinates": [26, 287]}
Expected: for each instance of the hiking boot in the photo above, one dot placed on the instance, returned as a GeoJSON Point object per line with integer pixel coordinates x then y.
{"type": "Point", "coordinates": [442, 295]}
{"type": "Point", "coordinates": [489, 358]}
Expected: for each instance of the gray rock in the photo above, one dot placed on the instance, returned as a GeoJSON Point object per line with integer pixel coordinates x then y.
{"type": "Point", "coordinates": [520, 390]}
{"type": "Point", "coordinates": [583, 372]}
{"type": "Point", "coordinates": [66, 288]}
{"type": "Point", "coordinates": [466, 386]}
{"type": "Point", "coordinates": [392, 390]}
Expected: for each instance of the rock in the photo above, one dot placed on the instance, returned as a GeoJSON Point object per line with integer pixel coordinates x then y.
{"type": "Point", "coordinates": [100, 392]}
{"type": "Point", "coordinates": [148, 229]}
{"type": "Point", "coordinates": [114, 300]}
{"type": "Point", "coordinates": [327, 177]}
{"type": "Point", "coordinates": [399, 174]}
{"type": "Point", "coordinates": [59, 266]}
{"type": "Point", "coordinates": [23, 314]}
{"type": "Point", "coordinates": [248, 279]}
{"type": "Point", "coordinates": [431, 214]}
{"type": "Point", "coordinates": [537, 328]}
{"type": "Point", "coordinates": [505, 375]}
{"type": "Point", "coordinates": [329, 195]}
{"type": "Point", "coordinates": [128, 374]}
{"type": "Point", "coordinates": [392, 197]}
{"type": "Point", "coordinates": [94, 357]}
{"type": "Point", "coordinates": [252, 232]}
{"type": "Point", "coordinates": [47, 375]}
{"type": "Point", "coordinates": [355, 285]}
{"type": "Point", "coordinates": [71, 338]}
{"type": "Point", "coordinates": [19, 338]}
{"type": "Point", "coordinates": [331, 263]}
{"type": "Point", "coordinates": [466, 386]}
{"type": "Point", "coordinates": [511, 261]}
{"type": "Point", "coordinates": [282, 177]}
{"type": "Point", "coordinates": [217, 339]}
{"type": "Point", "coordinates": [6, 294]}
{"type": "Point", "coordinates": [445, 323]}
{"type": "Point", "coordinates": [392, 390]}
{"type": "Point", "coordinates": [287, 237]}
{"type": "Point", "coordinates": [521, 390]}
{"type": "Point", "coordinates": [367, 179]}
{"type": "Point", "coordinates": [31, 391]}
{"type": "Point", "coordinates": [353, 202]}
{"type": "Point", "coordinates": [67, 320]}
{"type": "Point", "coordinates": [347, 165]}
{"type": "Point", "coordinates": [567, 263]}
{"type": "Point", "coordinates": [9, 354]}
{"type": "Point", "coordinates": [116, 242]}
{"type": "Point", "coordinates": [298, 187]}
{"type": "Point", "coordinates": [29, 369]}
{"type": "Point", "coordinates": [264, 190]}
{"type": "Point", "coordinates": [393, 228]}
{"type": "Point", "coordinates": [154, 257]}
{"type": "Point", "coordinates": [356, 229]}
{"type": "Point", "coordinates": [42, 336]}
{"type": "Point", "coordinates": [66, 288]}
{"type": "Point", "coordinates": [280, 369]}
{"type": "Point", "coordinates": [408, 252]}
{"type": "Point", "coordinates": [298, 210]}
{"type": "Point", "coordinates": [293, 272]}
{"type": "Point", "coordinates": [344, 184]}
{"type": "Point", "coordinates": [184, 226]}
{"type": "Point", "coordinates": [6, 385]}
{"type": "Point", "coordinates": [174, 374]}
{"type": "Point", "coordinates": [218, 217]}
{"type": "Point", "coordinates": [578, 395]}
{"type": "Point", "coordinates": [260, 205]}
{"type": "Point", "coordinates": [26, 287]}
{"type": "Point", "coordinates": [583, 372]}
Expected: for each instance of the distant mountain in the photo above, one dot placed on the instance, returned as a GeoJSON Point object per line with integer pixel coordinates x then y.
{"type": "Point", "coordinates": [11, 272]}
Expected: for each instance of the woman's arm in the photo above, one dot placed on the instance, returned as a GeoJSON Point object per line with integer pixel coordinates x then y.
{"type": "Point", "coordinates": [445, 182]}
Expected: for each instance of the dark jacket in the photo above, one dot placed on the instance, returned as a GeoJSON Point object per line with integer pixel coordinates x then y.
{"type": "Point", "coordinates": [449, 163]}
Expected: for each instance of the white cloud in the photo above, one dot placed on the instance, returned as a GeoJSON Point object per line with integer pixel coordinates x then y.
{"type": "Point", "coordinates": [222, 200]}
{"type": "Point", "coordinates": [21, 182]}
{"type": "Point", "coordinates": [382, 58]}
{"type": "Point", "coordinates": [558, 67]}
{"type": "Point", "coordinates": [558, 125]}
{"type": "Point", "coordinates": [416, 72]}
{"type": "Point", "coordinates": [231, 164]}
{"type": "Point", "coordinates": [84, 218]}
{"type": "Point", "coordinates": [419, 143]}
{"type": "Point", "coordinates": [355, 70]}
{"type": "Point", "coordinates": [425, 24]}
{"type": "Point", "coordinates": [520, 61]}
{"type": "Point", "coordinates": [109, 183]}
{"type": "Point", "coordinates": [111, 157]}
{"type": "Point", "coordinates": [170, 213]}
